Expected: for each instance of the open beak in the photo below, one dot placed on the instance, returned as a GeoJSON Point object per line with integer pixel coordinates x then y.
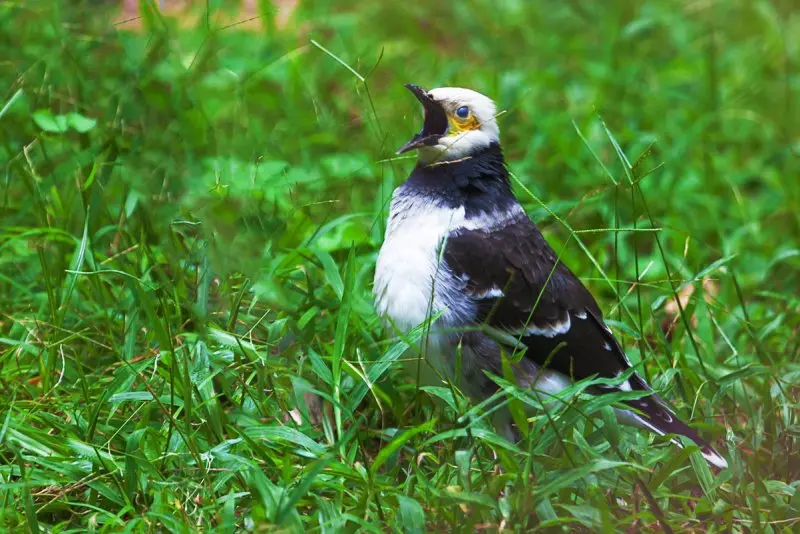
{"type": "Point", "coordinates": [435, 125]}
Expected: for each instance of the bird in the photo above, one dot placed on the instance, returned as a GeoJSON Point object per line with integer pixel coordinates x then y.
{"type": "Point", "coordinates": [461, 254]}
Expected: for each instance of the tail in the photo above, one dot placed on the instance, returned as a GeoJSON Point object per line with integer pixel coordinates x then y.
{"type": "Point", "coordinates": [653, 414]}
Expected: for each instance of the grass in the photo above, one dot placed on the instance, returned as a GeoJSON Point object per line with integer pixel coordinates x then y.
{"type": "Point", "coordinates": [191, 215]}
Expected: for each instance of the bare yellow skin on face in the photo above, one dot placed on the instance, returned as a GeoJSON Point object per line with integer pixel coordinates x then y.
{"type": "Point", "coordinates": [458, 125]}
{"type": "Point", "coordinates": [471, 125]}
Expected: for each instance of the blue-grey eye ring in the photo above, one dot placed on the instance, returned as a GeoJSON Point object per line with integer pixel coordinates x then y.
{"type": "Point", "coordinates": [462, 112]}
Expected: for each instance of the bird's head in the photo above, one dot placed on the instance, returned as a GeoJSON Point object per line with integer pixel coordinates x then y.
{"type": "Point", "coordinates": [458, 123]}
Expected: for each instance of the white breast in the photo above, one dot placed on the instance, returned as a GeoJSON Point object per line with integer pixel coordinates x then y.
{"type": "Point", "coordinates": [408, 269]}
{"type": "Point", "coordinates": [412, 283]}
{"type": "Point", "coordinates": [410, 279]}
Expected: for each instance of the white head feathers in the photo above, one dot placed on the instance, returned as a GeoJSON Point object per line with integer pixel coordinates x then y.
{"type": "Point", "coordinates": [472, 124]}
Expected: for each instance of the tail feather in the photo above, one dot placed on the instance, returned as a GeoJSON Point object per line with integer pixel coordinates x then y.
{"type": "Point", "coordinates": [654, 415]}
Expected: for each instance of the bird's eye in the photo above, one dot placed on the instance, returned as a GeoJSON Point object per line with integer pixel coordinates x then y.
{"type": "Point", "coordinates": [462, 112]}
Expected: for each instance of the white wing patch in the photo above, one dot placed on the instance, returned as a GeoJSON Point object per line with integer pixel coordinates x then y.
{"type": "Point", "coordinates": [551, 330]}
{"type": "Point", "coordinates": [551, 382]}
{"type": "Point", "coordinates": [491, 293]}
{"type": "Point", "coordinates": [489, 221]}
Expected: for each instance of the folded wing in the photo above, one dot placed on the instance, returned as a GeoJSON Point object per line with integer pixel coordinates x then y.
{"type": "Point", "coordinates": [518, 285]}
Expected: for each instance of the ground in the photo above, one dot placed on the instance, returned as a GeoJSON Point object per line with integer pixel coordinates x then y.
{"type": "Point", "coordinates": [191, 212]}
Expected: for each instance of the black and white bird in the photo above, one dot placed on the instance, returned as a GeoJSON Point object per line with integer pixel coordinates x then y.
{"type": "Point", "coordinates": [459, 247]}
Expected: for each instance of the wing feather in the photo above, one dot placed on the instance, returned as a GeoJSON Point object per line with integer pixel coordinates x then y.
{"type": "Point", "coordinates": [519, 285]}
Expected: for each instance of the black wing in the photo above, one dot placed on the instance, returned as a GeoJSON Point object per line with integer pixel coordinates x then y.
{"type": "Point", "coordinates": [519, 286]}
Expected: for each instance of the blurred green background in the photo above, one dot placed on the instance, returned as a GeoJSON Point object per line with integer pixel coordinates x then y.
{"type": "Point", "coordinates": [193, 200]}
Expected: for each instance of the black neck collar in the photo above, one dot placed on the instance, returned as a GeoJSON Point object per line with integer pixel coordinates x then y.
{"type": "Point", "coordinates": [479, 182]}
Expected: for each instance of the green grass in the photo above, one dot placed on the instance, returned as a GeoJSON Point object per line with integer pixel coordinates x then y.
{"type": "Point", "coordinates": [191, 216]}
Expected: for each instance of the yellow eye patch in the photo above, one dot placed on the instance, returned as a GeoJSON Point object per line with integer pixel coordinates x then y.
{"type": "Point", "coordinates": [458, 125]}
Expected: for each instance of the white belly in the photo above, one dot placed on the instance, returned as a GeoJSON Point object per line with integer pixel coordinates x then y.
{"type": "Point", "coordinates": [409, 277]}
{"type": "Point", "coordinates": [411, 283]}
